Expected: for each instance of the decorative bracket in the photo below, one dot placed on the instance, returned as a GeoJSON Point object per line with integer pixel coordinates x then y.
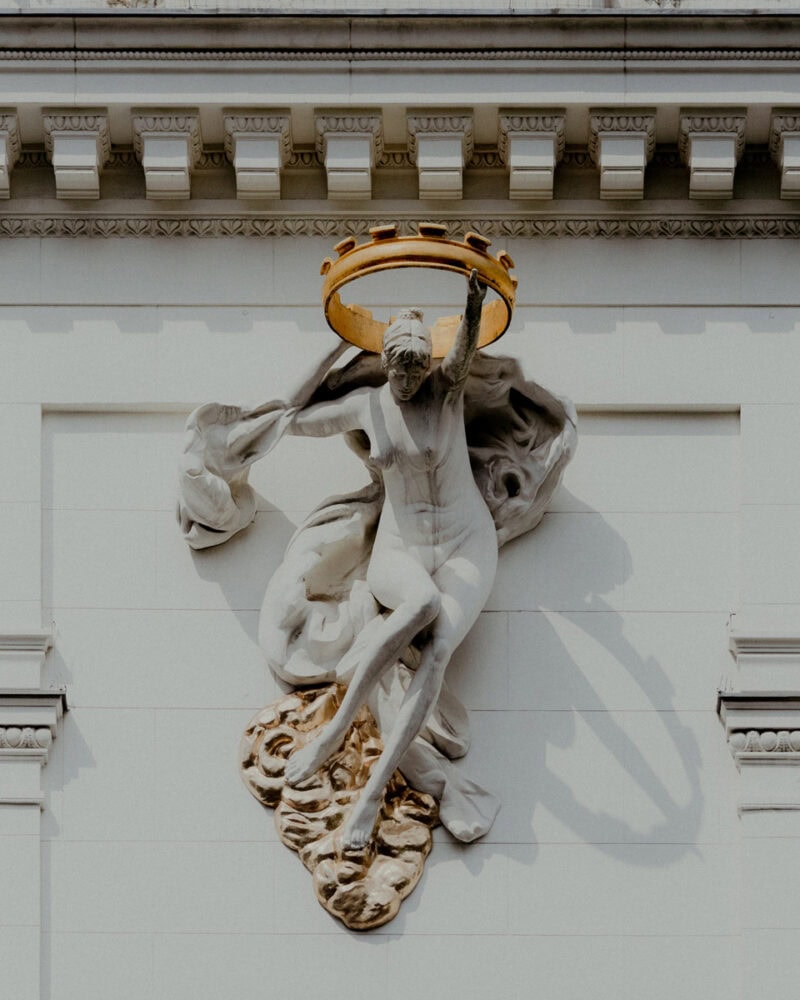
{"type": "Point", "coordinates": [258, 144]}
{"type": "Point", "coordinates": [349, 143]}
{"type": "Point", "coordinates": [622, 143]}
{"type": "Point", "coordinates": [10, 146]}
{"type": "Point", "coordinates": [168, 143]}
{"type": "Point", "coordinates": [441, 145]}
{"type": "Point", "coordinates": [531, 144]}
{"type": "Point", "coordinates": [78, 144]}
{"type": "Point", "coordinates": [784, 145]}
{"type": "Point", "coordinates": [711, 143]}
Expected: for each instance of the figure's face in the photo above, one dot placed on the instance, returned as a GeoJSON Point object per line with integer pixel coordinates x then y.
{"type": "Point", "coordinates": [406, 375]}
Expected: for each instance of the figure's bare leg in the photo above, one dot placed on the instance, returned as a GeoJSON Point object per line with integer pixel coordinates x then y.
{"type": "Point", "coordinates": [417, 705]}
{"type": "Point", "coordinates": [400, 628]}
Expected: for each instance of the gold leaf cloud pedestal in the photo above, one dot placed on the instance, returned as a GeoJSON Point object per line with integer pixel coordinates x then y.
{"type": "Point", "coordinates": [363, 888]}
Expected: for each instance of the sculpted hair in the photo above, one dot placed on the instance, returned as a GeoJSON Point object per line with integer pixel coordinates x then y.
{"type": "Point", "coordinates": [407, 339]}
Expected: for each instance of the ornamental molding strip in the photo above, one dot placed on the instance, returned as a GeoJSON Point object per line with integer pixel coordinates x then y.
{"type": "Point", "coordinates": [10, 147]}
{"type": "Point", "coordinates": [258, 143]}
{"type": "Point", "coordinates": [711, 144]}
{"type": "Point", "coordinates": [169, 145]}
{"type": "Point", "coordinates": [349, 143]}
{"type": "Point", "coordinates": [78, 143]}
{"type": "Point", "coordinates": [784, 145]}
{"type": "Point", "coordinates": [531, 143]}
{"type": "Point", "coordinates": [228, 224]}
{"type": "Point", "coordinates": [621, 144]}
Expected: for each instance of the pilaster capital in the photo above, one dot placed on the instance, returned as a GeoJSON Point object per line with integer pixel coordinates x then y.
{"type": "Point", "coordinates": [29, 716]}
{"type": "Point", "coordinates": [762, 717]}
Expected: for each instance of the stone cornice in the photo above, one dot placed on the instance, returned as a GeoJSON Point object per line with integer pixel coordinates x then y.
{"type": "Point", "coordinates": [588, 35]}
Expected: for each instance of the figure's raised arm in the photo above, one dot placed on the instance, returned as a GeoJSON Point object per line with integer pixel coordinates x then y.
{"type": "Point", "coordinates": [455, 366]}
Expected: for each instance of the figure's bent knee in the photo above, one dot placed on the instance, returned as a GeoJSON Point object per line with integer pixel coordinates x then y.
{"type": "Point", "coordinates": [429, 604]}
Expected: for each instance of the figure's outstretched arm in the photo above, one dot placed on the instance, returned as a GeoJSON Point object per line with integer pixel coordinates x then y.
{"type": "Point", "coordinates": [455, 366]}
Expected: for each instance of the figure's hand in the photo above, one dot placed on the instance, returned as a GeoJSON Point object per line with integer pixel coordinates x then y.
{"type": "Point", "coordinates": [477, 289]}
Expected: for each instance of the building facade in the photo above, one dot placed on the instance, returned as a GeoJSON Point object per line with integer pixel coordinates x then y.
{"type": "Point", "coordinates": [173, 175]}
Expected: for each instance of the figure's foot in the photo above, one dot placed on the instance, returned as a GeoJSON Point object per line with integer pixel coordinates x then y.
{"type": "Point", "coordinates": [306, 761]}
{"type": "Point", "coordinates": [360, 824]}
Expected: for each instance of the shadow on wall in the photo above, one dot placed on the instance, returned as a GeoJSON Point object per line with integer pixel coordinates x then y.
{"type": "Point", "coordinates": [588, 610]}
{"type": "Point", "coordinates": [243, 566]}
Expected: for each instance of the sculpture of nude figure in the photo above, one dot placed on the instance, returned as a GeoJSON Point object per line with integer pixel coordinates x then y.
{"type": "Point", "coordinates": [435, 553]}
{"type": "Point", "coordinates": [463, 456]}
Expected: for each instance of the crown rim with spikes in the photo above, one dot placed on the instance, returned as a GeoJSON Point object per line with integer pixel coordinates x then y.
{"type": "Point", "coordinates": [429, 248]}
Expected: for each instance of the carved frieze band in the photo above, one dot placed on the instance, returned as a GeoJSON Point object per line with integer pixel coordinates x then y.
{"type": "Point", "coordinates": [765, 741]}
{"type": "Point", "coordinates": [25, 738]}
{"type": "Point", "coordinates": [213, 227]}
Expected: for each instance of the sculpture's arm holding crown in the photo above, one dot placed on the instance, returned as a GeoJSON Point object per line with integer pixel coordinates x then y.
{"type": "Point", "coordinates": [456, 363]}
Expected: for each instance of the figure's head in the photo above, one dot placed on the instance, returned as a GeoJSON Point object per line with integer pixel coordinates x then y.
{"type": "Point", "coordinates": [407, 353]}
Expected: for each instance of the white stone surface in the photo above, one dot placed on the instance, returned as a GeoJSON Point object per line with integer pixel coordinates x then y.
{"type": "Point", "coordinates": [593, 672]}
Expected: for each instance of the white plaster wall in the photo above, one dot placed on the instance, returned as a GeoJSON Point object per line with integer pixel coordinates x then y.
{"type": "Point", "coordinates": [591, 676]}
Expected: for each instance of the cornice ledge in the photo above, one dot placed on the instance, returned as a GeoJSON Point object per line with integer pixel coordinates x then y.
{"type": "Point", "coordinates": [764, 643]}
{"type": "Point", "coordinates": [28, 642]}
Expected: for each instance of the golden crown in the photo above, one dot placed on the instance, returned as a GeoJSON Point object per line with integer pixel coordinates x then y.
{"type": "Point", "coordinates": [430, 248]}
